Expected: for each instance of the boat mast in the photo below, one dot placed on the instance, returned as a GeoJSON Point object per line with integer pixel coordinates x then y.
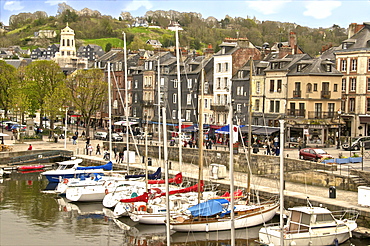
{"type": "Point", "coordinates": [165, 153]}
{"type": "Point", "coordinates": [231, 168]}
{"type": "Point", "coordinates": [250, 130]}
{"type": "Point", "coordinates": [179, 95]}
{"type": "Point", "coordinates": [110, 112]}
{"type": "Point", "coordinates": [200, 135]}
{"type": "Point", "coordinates": [126, 102]}
{"type": "Point", "coordinates": [281, 190]}
{"type": "Point", "coordinates": [159, 111]}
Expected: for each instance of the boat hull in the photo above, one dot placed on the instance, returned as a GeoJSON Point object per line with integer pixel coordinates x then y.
{"type": "Point", "coordinates": [243, 221]}
{"type": "Point", "coordinates": [271, 235]}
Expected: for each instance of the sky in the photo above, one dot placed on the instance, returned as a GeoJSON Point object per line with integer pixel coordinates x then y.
{"type": "Point", "coordinates": [314, 14]}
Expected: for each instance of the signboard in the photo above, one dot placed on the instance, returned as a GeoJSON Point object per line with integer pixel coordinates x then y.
{"type": "Point", "coordinates": [305, 132]}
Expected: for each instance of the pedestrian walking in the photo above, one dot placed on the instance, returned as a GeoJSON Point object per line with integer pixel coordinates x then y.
{"type": "Point", "coordinates": [90, 149]}
{"type": "Point", "coordinates": [74, 139]}
{"type": "Point", "coordinates": [98, 150]}
{"type": "Point", "coordinates": [120, 157]}
{"type": "Point", "coordinates": [115, 151]}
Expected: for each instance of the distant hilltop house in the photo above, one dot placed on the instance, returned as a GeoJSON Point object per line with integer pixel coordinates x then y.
{"type": "Point", "coordinates": [7, 53]}
{"type": "Point", "coordinates": [45, 34]}
{"type": "Point", "coordinates": [140, 22]}
{"type": "Point", "coordinates": [154, 43]}
{"type": "Point", "coordinates": [90, 51]}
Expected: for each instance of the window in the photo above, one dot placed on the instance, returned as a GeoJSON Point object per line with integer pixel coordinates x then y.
{"type": "Point", "coordinates": [205, 103]}
{"type": "Point", "coordinates": [189, 84]}
{"type": "Point", "coordinates": [343, 65]}
{"type": "Point", "coordinates": [277, 106]}
{"type": "Point", "coordinates": [368, 104]}
{"type": "Point", "coordinates": [135, 98]}
{"type": "Point", "coordinates": [353, 84]}
{"type": "Point", "coordinates": [335, 87]}
{"type": "Point", "coordinates": [218, 83]}
{"type": "Point", "coordinates": [174, 113]}
{"type": "Point", "coordinates": [238, 90]}
{"type": "Point", "coordinates": [240, 74]}
{"type": "Point", "coordinates": [344, 84]}
{"type": "Point", "coordinates": [315, 87]}
{"type": "Point", "coordinates": [206, 87]}
{"type": "Point", "coordinates": [238, 108]}
{"type": "Point", "coordinates": [188, 99]}
{"type": "Point", "coordinates": [226, 67]}
{"type": "Point", "coordinates": [219, 67]}
{"type": "Point", "coordinates": [257, 105]}
{"type": "Point", "coordinates": [368, 84]}
{"type": "Point", "coordinates": [351, 105]}
{"type": "Point", "coordinates": [225, 83]}
{"type": "Point", "coordinates": [368, 65]}
{"type": "Point", "coordinates": [279, 83]}
{"type": "Point", "coordinates": [272, 104]}
{"type": "Point", "coordinates": [174, 98]}
{"type": "Point", "coordinates": [272, 84]}
{"type": "Point", "coordinates": [175, 84]}
{"type": "Point", "coordinates": [187, 115]}
{"type": "Point", "coordinates": [258, 87]}
{"type": "Point", "coordinates": [309, 88]}
{"type": "Point", "coordinates": [354, 65]}
{"type": "Point", "coordinates": [328, 68]}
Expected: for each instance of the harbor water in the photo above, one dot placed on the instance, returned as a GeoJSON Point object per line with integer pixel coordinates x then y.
{"type": "Point", "coordinates": [28, 216]}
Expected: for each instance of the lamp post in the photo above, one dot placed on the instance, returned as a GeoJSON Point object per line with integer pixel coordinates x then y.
{"type": "Point", "coordinates": [339, 129]}
{"type": "Point", "coordinates": [65, 128]}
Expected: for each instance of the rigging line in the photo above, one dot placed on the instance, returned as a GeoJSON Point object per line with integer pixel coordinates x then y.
{"type": "Point", "coordinates": [124, 109]}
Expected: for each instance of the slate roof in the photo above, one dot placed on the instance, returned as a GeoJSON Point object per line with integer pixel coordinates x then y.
{"type": "Point", "coordinates": [316, 66]}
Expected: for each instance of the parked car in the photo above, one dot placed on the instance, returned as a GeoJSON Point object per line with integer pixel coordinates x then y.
{"type": "Point", "coordinates": [356, 143]}
{"type": "Point", "coordinates": [116, 137]}
{"type": "Point", "coordinates": [100, 135]}
{"type": "Point", "coordinates": [313, 154]}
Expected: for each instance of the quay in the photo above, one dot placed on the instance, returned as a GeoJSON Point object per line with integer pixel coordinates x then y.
{"type": "Point", "coordinates": [295, 193]}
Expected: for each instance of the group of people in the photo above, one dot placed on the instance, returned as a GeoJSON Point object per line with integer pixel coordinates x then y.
{"type": "Point", "coordinates": [272, 146]}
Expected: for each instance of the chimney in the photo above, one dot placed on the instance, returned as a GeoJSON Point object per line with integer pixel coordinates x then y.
{"type": "Point", "coordinates": [353, 29]}
{"type": "Point", "coordinates": [208, 52]}
{"type": "Point", "coordinates": [243, 42]}
{"type": "Point", "coordinates": [293, 42]}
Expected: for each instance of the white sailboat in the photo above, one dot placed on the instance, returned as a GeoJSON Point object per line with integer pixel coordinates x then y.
{"type": "Point", "coordinates": [307, 225]}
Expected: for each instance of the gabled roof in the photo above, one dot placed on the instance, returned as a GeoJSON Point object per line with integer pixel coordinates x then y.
{"type": "Point", "coordinates": [316, 66]}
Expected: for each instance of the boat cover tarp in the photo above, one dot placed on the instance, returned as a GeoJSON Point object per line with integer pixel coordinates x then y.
{"type": "Point", "coordinates": [143, 198]}
{"type": "Point", "coordinates": [208, 208]}
{"type": "Point", "coordinates": [193, 188]}
{"type": "Point", "coordinates": [108, 166]}
{"type": "Point", "coordinates": [156, 175]}
{"type": "Point", "coordinates": [177, 180]}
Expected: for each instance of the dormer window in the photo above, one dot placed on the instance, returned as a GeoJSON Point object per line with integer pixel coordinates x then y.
{"type": "Point", "coordinates": [240, 74]}
{"type": "Point", "coordinates": [299, 68]}
{"type": "Point", "coordinates": [328, 68]}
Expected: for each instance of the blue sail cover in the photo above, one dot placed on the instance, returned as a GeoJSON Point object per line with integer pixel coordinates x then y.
{"type": "Point", "coordinates": [156, 175]}
{"type": "Point", "coordinates": [208, 208]}
{"type": "Point", "coordinates": [108, 166]}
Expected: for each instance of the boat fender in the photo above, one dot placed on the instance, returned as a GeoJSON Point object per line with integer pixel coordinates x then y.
{"type": "Point", "coordinates": [106, 191]}
{"type": "Point", "coordinates": [141, 208]}
{"type": "Point", "coordinates": [65, 181]}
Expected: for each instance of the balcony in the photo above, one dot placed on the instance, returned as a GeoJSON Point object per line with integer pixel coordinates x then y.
{"type": "Point", "coordinates": [220, 107]}
{"type": "Point", "coordinates": [296, 112]}
{"type": "Point", "coordinates": [322, 115]}
{"type": "Point", "coordinates": [325, 94]}
{"type": "Point", "coordinates": [297, 94]}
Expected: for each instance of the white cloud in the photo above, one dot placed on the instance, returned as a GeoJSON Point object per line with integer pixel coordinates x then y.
{"type": "Point", "coordinates": [54, 2]}
{"type": "Point", "coordinates": [136, 4]}
{"type": "Point", "coordinates": [320, 9]}
{"type": "Point", "coordinates": [267, 7]}
{"type": "Point", "coordinates": [13, 5]}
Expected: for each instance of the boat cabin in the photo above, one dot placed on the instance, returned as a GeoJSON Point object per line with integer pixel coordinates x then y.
{"type": "Point", "coordinates": [303, 218]}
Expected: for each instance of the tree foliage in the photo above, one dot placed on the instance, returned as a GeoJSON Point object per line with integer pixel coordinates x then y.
{"type": "Point", "coordinates": [88, 91]}
{"type": "Point", "coordinates": [8, 86]}
{"type": "Point", "coordinates": [44, 83]}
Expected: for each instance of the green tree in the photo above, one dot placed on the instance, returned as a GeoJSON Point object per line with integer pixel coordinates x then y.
{"type": "Point", "coordinates": [8, 85]}
{"type": "Point", "coordinates": [108, 47]}
{"type": "Point", "coordinates": [88, 91]}
{"type": "Point", "coordinates": [44, 80]}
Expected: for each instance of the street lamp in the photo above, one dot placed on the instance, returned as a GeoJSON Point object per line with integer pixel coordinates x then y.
{"type": "Point", "coordinates": [339, 129]}
{"type": "Point", "coordinates": [65, 128]}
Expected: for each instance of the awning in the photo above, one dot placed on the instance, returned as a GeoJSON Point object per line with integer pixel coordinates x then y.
{"type": "Point", "coordinates": [226, 129]}
{"type": "Point", "coordinates": [265, 130]}
{"type": "Point", "coordinates": [364, 119]}
{"type": "Point", "coordinates": [194, 128]}
{"type": "Point", "coordinates": [123, 123]}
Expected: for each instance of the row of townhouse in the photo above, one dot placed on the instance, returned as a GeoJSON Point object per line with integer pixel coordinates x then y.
{"type": "Point", "coordinates": [319, 98]}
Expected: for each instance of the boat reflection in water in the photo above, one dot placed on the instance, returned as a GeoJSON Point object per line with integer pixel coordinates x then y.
{"type": "Point", "coordinates": [84, 210]}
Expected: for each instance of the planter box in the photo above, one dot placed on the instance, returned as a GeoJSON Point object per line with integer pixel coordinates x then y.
{"type": "Point", "coordinates": [355, 159]}
{"type": "Point", "coordinates": [328, 161]}
{"type": "Point", "coordinates": [342, 160]}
